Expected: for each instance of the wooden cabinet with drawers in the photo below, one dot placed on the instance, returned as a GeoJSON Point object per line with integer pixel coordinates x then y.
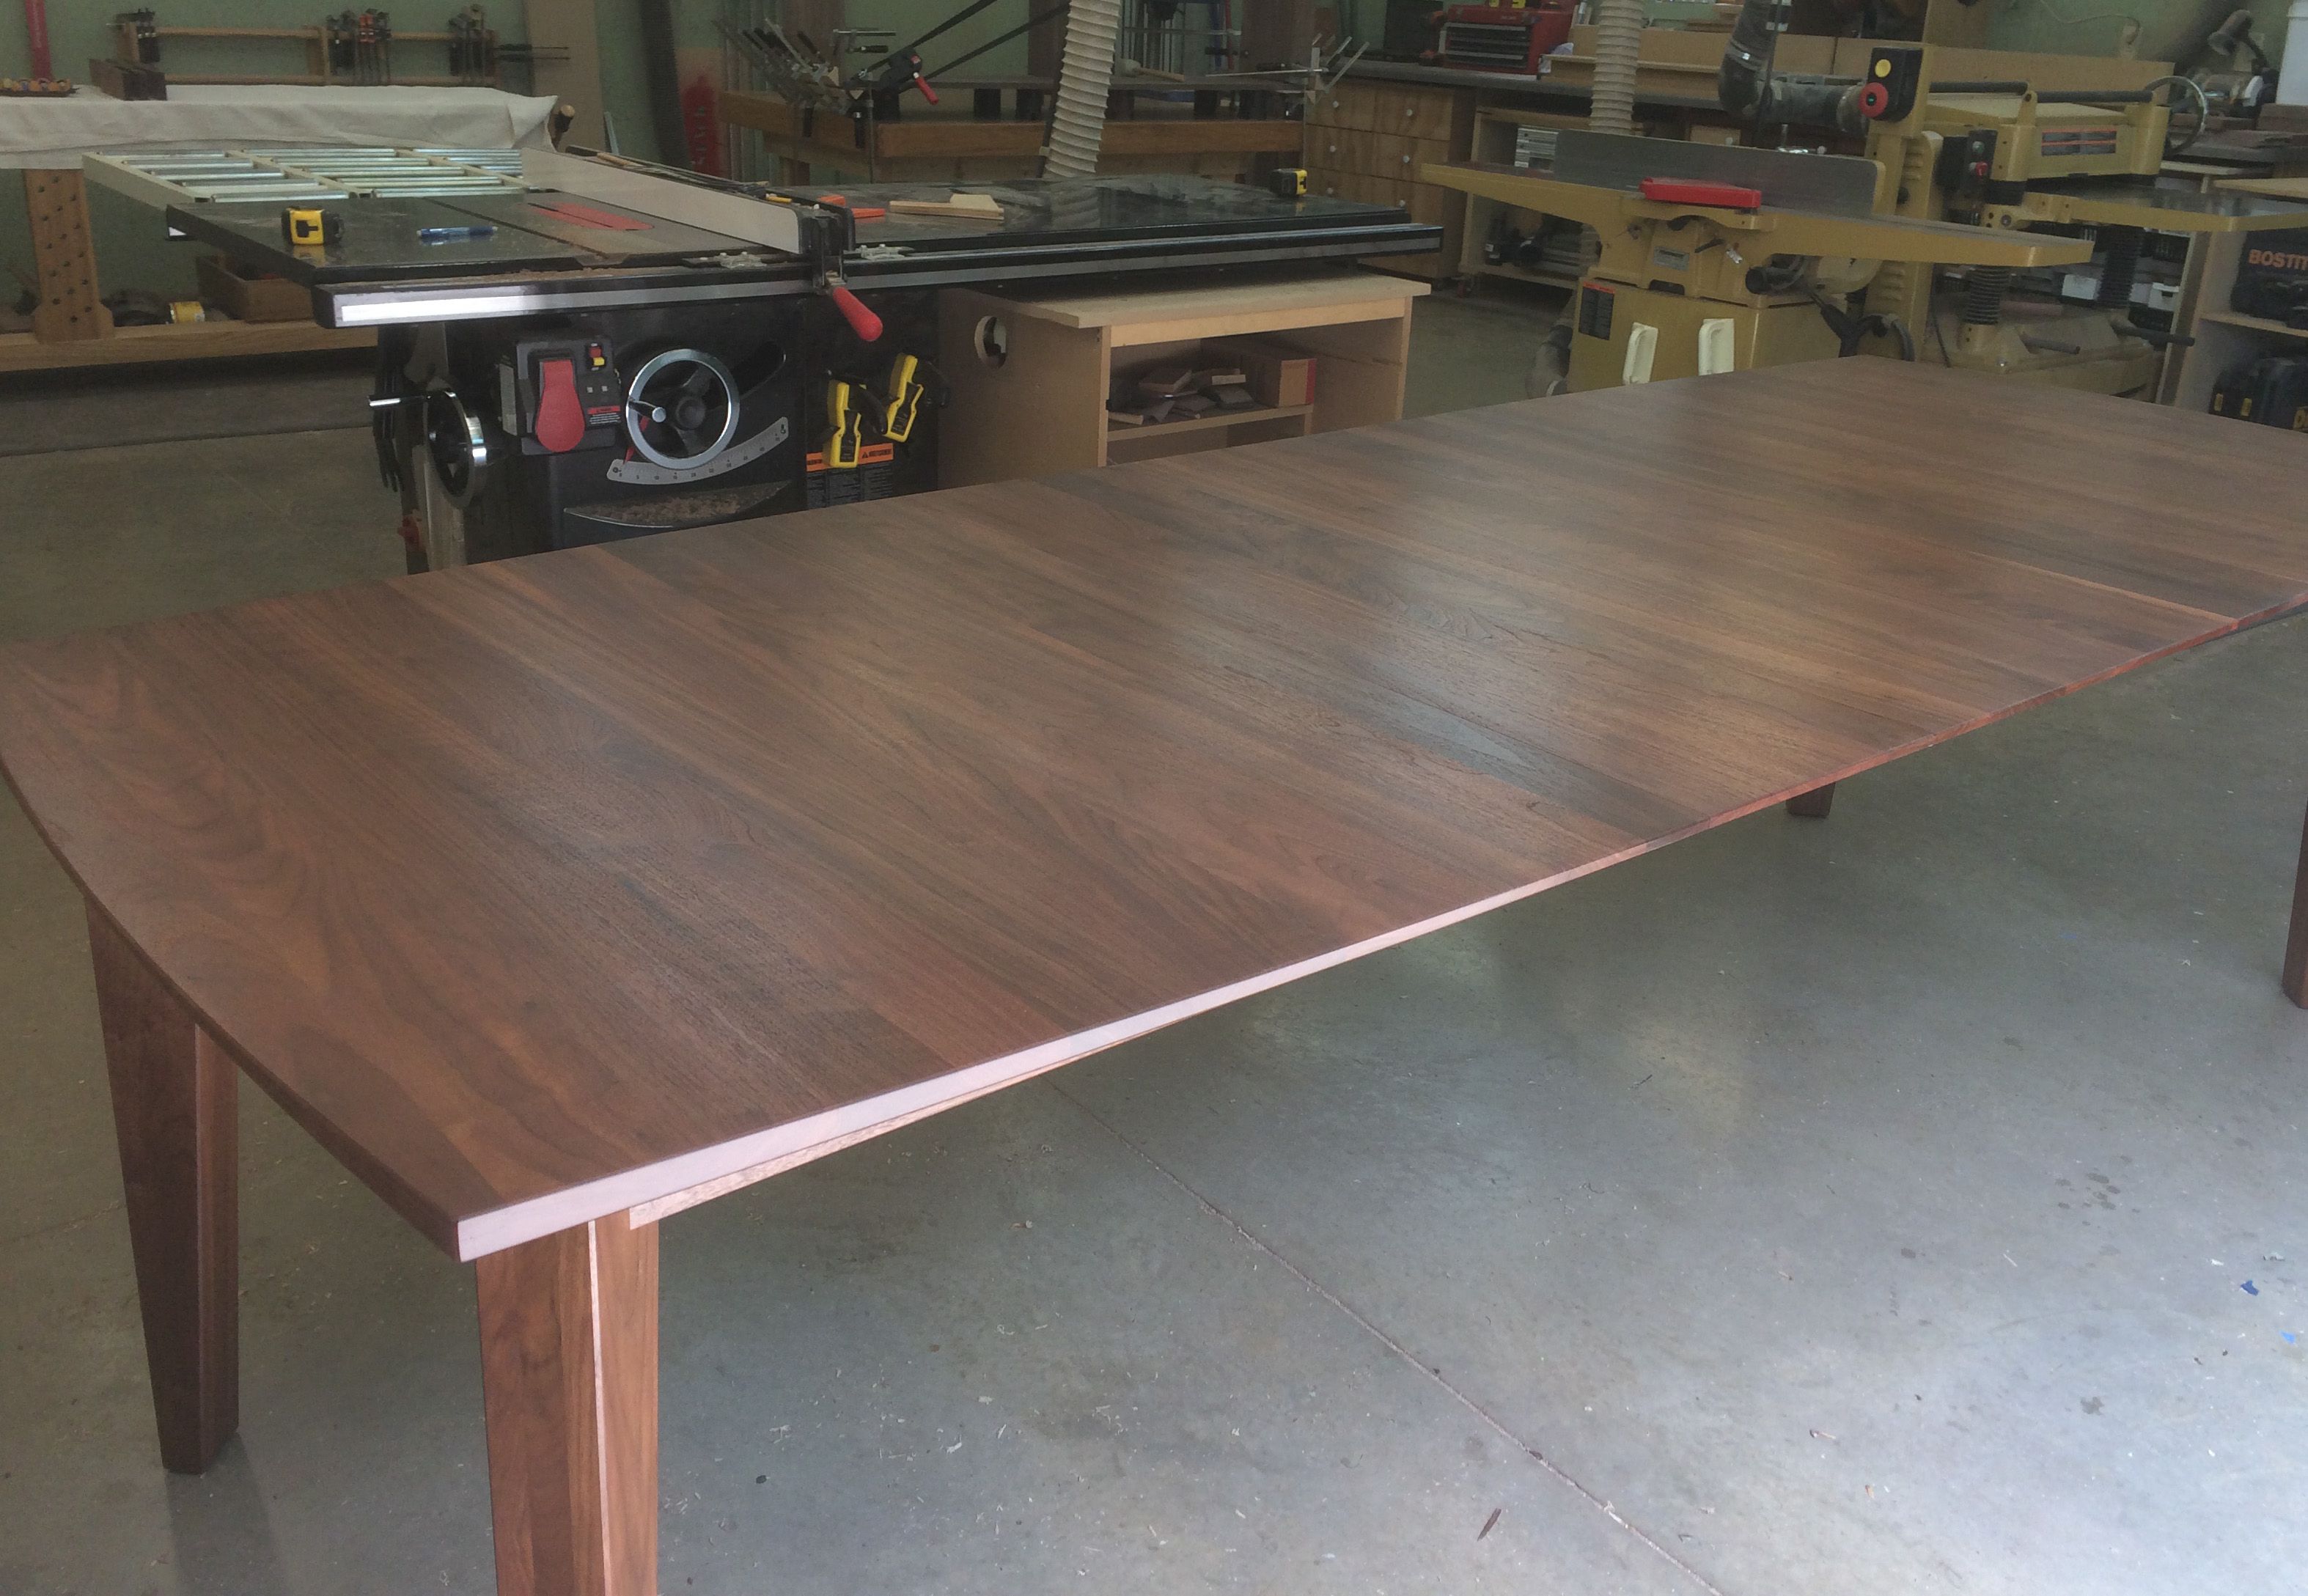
{"type": "Point", "coordinates": [1367, 140]}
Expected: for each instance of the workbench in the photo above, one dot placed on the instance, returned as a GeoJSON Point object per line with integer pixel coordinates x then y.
{"type": "Point", "coordinates": [823, 147]}
{"type": "Point", "coordinates": [46, 140]}
{"type": "Point", "coordinates": [559, 895]}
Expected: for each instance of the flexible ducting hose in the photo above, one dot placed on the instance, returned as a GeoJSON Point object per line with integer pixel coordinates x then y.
{"type": "Point", "coordinates": [1085, 74]}
{"type": "Point", "coordinates": [1746, 86]}
{"type": "Point", "coordinates": [1618, 40]}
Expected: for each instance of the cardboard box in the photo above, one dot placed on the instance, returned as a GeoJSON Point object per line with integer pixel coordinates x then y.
{"type": "Point", "coordinates": [1279, 373]}
{"type": "Point", "coordinates": [254, 297]}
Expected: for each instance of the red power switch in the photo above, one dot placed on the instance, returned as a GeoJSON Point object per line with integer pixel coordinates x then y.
{"type": "Point", "coordinates": [560, 417]}
{"type": "Point", "coordinates": [1678, 191]}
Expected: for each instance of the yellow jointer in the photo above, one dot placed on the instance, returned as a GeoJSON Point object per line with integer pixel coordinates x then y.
{"type": "Point", "coordinates": [1680, 288]}
{"type": "Point", "coordinates": [1776, 230]}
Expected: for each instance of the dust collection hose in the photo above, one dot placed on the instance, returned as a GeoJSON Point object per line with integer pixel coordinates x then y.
{"type": "Point", "coordinates": [1618, 40]}
{"type": "Point", "coordinates": [1085, 75]}
{"type": "Point", "coordinates": [1746, 86]}
{"type": "Point", "coordinates": [1611, 107]}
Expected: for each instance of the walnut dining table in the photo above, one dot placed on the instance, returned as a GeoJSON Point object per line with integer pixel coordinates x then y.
{"type": "Point", "coordinates": [556, 895]}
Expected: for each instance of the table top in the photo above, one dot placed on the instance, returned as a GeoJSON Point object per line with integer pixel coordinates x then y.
{"type": "Point", "coordinates": [543, 889]}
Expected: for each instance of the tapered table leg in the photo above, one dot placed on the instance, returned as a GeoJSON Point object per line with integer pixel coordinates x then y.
{"type": "Point", "coordinates": [2295, 947]}
{"type": "Point", "coordinates": [173, 1097]}
{"type": "Point", "coordinates": [569, 1379]}
{"type": "Point", "coordinates": [1812, 805]}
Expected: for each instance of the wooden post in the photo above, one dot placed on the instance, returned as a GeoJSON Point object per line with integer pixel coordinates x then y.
{"type": "Point", "coordinates": [576, 78]}
{"type": "Point", "coordinates": [173, 1104]}
{"type": "Point", "coordinates": [569, 1382]}
{"type": "Point", "coordinates": [2295, 947]}
{"type": "Point", "coordinates": [1812, 805]}
{"type": "Point", "coordinates": [64, 259]}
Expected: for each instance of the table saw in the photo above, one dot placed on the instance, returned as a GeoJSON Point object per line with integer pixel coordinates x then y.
{"type": "Point", "coordinates": [583, 347]}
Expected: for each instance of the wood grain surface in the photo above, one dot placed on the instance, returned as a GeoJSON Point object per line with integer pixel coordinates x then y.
{"type": "Point", "coordinates": [548, 889]}
{"type": "Point", "coordinates": [174, 1111]}
{"type": "Point", "coordinates": [569, 1375]}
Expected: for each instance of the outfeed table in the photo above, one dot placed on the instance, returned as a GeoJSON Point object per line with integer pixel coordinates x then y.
{"type": "Point", "coordinates": [47, 139]}
{"type": "Point", "coordinates": [557, 895]}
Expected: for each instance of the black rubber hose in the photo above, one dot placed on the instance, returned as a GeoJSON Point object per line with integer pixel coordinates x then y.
{"type": "Point", "coordinates": [2122, 246]}
{"type": "Point", "coordinates": [1982, 296]}
{"type": "Point", "coordinates": [1746, 87]}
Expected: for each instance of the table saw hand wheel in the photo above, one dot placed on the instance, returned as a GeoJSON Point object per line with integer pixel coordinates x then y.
{"type": "Point", "coordinates": [845, 427]}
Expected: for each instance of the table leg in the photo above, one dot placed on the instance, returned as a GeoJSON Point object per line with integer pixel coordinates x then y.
{"type": "Point", "coordinates": [569, 1382]}
{"type": "Point", "coordinates": [2295, 947]}
{"type": "Point", "coordinates": [1812, 805]}
{"type": "Point", "coordinates": [173, 1106]}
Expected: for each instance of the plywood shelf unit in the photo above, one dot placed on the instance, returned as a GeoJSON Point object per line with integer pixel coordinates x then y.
{"type": "Point", "coordinates": [2254, 323]}
{"type": "Point", "coordinates": [2224, 338]}
{"type": "Point", "coordinates": [1495, 133]}
{"type": "Point", "coordinates": [1030, 375]}
{"type": "Point", "coordinates": [1127, 437]}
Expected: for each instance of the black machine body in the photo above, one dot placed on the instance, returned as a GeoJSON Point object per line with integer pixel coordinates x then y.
{"type": "Point", "coordinates": [637, 421]}
{"type": "Point", "coordinates": [552, 433]}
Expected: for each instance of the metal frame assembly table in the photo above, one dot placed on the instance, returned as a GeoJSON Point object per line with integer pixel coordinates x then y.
{"type": "Point", "coordinates": [556, 895]}
{"type": "Point", "coordinates": [50, 140]}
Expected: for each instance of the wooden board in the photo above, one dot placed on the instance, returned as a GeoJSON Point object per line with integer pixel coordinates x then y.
{"type": "Point", "coordinates": [2274, 188]}
{"type": "Point", "coordinates": [546, 889]}
{"type": "Point", "coordinates": [961, 138]}
{"type": "Point", "coordinates": [1158, 315]}
{"type": "Point", "coordinates": [192, 340]}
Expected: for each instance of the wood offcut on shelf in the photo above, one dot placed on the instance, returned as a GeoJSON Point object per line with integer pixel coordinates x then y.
{"type": "Point", "coordinates": [1116, 433]}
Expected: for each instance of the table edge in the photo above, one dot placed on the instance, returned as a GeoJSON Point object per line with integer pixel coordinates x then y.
{"type": "Point", "coordinates": [651, 1192]}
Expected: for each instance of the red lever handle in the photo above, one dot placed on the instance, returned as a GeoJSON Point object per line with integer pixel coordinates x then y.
{"type": "Point", "coordinates": [923, 83]}
{"type": "Point", "coordinates": [1682, 191]}
{"type": "Point", "coordinates": [862, 320]}
{"type": "Point", "coordinates": [560, 416]}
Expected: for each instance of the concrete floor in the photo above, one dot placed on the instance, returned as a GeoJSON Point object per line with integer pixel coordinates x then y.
{"type": "Point", "coordinates": [1911, 1202]}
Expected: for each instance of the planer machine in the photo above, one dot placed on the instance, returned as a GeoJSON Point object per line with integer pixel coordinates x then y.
{"type": "Point", "coordinates": [1981, 162]}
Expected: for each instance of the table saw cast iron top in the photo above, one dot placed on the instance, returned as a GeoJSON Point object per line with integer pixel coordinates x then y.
{"type": "Point", "coordinates": [559, 251]}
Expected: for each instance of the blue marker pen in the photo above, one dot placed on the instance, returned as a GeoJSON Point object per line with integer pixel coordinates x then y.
{"type": "Point", "coordinates": [455, 234]}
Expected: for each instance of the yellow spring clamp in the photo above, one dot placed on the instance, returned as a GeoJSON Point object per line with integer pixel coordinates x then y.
{"type": "Point", "coordinates": [902, 404]}
{"type": "Point", "coordinates": [846, 435]}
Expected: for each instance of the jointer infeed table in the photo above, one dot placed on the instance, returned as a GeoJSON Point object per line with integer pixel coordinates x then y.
{"type": "Point", "coordinates": [558, 895]}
